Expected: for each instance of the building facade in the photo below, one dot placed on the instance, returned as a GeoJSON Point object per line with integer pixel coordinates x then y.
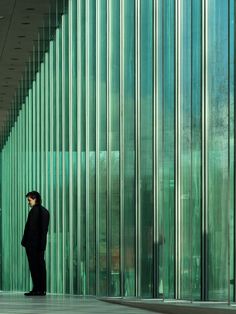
{"type": "Point", "coordinates": [126, 128]}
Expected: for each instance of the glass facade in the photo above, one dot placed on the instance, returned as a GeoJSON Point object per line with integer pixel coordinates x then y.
{"type": "Point", "coordinates": [126, 128]}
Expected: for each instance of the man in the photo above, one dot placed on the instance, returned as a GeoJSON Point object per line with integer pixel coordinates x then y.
{"type": "Point", "coordinates": [34, 240]}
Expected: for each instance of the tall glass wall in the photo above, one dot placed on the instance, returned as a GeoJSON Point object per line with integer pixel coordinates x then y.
{"type": "Point", "coordinates": [126, 128]}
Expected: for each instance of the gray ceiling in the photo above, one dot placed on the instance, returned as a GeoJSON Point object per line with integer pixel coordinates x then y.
{"type": "Point", "coordinates": [20, 24]}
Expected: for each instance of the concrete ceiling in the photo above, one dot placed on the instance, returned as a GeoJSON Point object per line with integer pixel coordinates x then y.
{"type": "Point", "coordinates": [20, 24]}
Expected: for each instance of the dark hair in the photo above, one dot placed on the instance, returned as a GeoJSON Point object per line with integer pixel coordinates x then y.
{"type": "Point", "coordinates": [34, 195]}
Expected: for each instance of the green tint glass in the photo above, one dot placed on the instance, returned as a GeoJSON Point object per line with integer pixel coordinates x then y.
{"type": "Point", "coordinates": [126, 128]}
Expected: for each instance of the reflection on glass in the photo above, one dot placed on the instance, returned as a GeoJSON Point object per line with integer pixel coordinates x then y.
{"type": "Point", "coordinates": [127, 92]}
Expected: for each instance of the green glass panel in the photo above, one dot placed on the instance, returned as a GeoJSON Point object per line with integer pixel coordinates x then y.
{"type": "Point", "coordinates": [129, 148]}
{"type": "Point", "coordinates": [166, 149]}
{"type": "Point", "coordinates": [91, 142]}
{"type": "Point", "coordinates": [114, 154]}
{"type": "Point", "coordinates": [217, 151]}
{"type": "Point", "coordinates": [146, 148]}
{"type": "Point", "coordinates": [190, 150]}
{"type": "Point", "coordinates": [102, 145]}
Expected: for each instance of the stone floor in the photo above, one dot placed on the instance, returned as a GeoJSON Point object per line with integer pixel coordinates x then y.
{"type": "Point", "coordinates": [176, 306]}
{"type": "Point", "coordinates": [68, 304]}
{"type": "Point", "coordinates": [18, 303]}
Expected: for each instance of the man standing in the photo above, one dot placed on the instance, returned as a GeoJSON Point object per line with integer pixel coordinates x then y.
{"type": "Point", "coordinates": [34, 240]}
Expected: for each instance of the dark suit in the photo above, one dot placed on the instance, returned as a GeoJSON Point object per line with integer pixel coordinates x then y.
{"type": "Point", "coordinates": [34, 240]}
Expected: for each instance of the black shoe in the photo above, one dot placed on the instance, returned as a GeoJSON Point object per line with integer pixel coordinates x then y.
{"type": "Point", "coordinates": [35, 293]}
{"type": "Point", "coordinates": [40, 293]}
{"type": "Point", "coordinates": [30, 293]}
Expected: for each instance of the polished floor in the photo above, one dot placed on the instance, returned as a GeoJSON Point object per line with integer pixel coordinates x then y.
{"type": "Point", "coordinates": [18, 303]}
{"type": "Point", "coordinates": [177, 306]}
{"type": "Point", "coordinates": [68, 304]}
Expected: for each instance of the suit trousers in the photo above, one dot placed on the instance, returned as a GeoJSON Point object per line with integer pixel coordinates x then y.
{"type": "Point", "coordinates": [37, 268]}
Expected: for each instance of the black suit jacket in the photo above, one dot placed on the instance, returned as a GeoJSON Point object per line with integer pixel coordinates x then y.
{"type": "Point", "coordinates": [36, 228]}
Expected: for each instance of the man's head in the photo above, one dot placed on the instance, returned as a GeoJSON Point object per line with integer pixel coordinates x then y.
{"type": "Point", "coordinates": [34, 198]}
